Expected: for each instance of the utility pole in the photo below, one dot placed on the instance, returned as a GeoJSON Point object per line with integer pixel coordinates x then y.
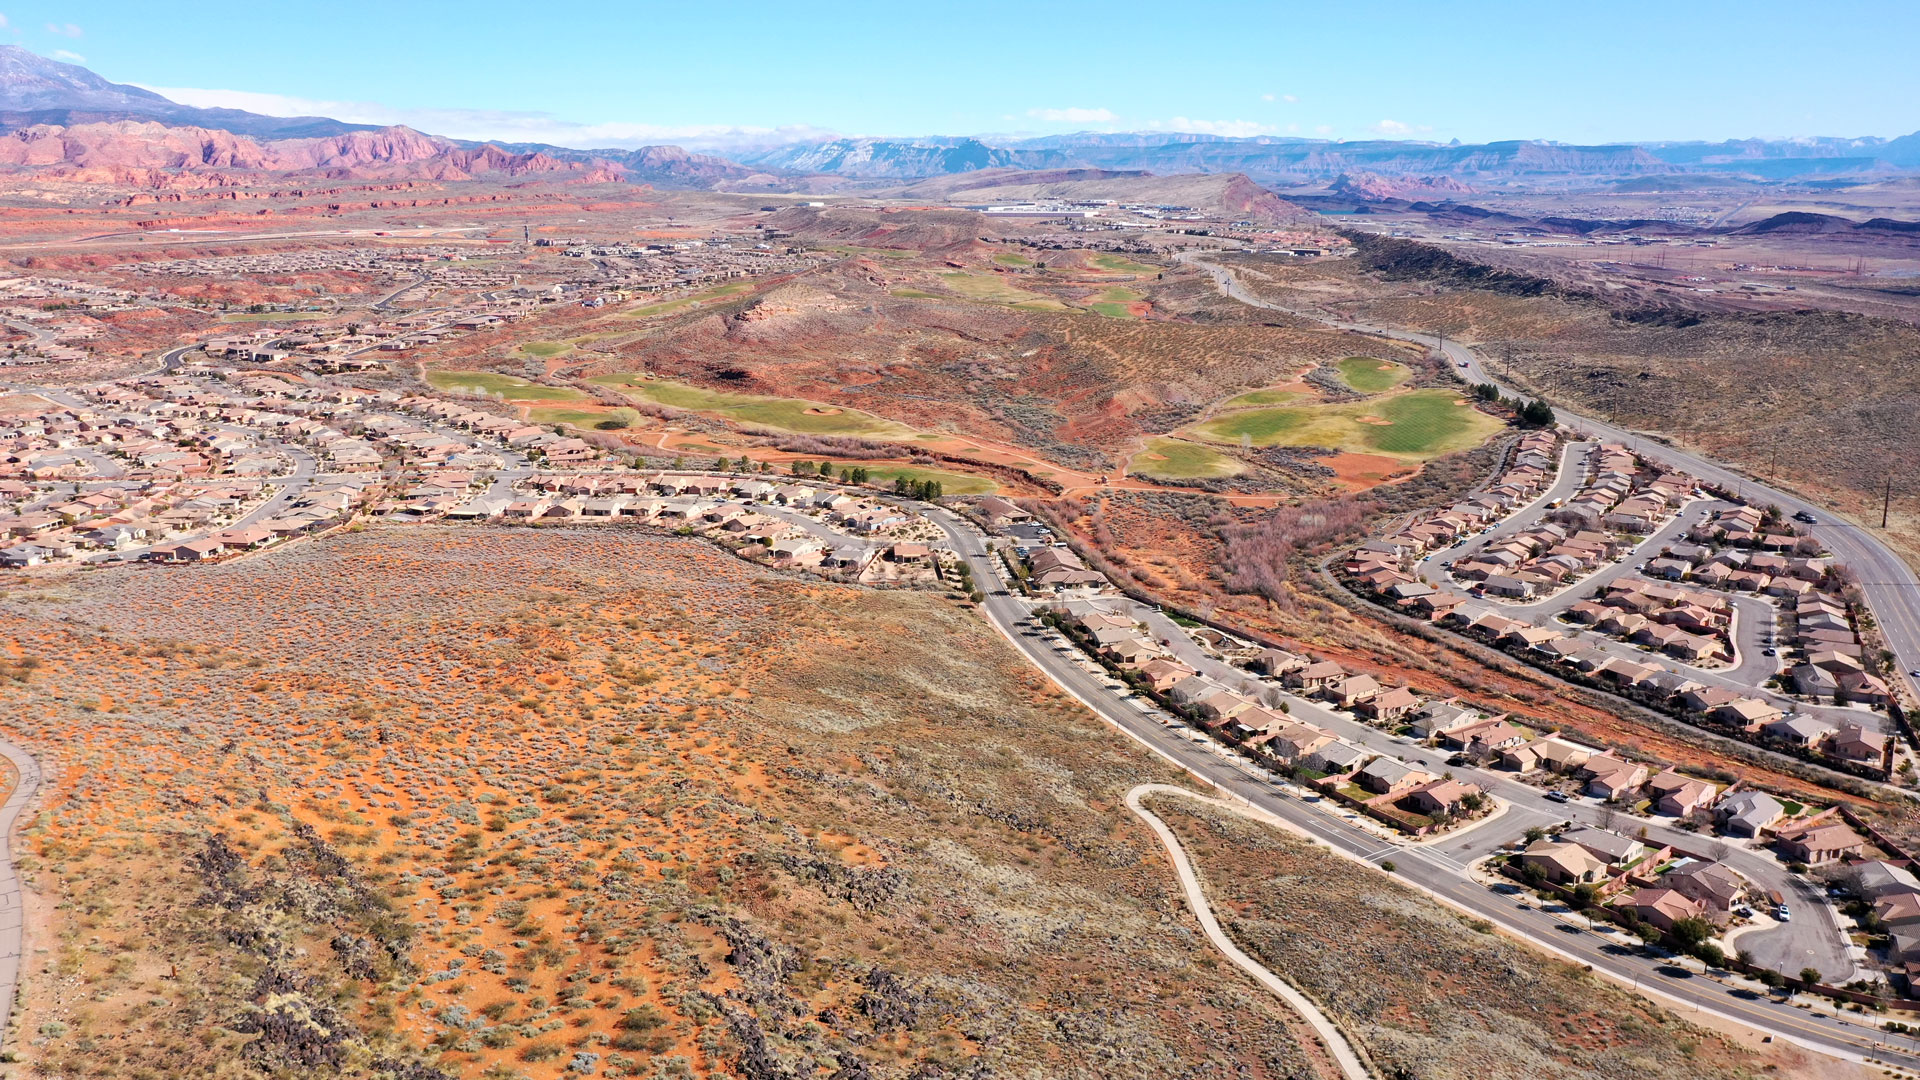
{"type": "Point", "coordinates": [1886, 501]}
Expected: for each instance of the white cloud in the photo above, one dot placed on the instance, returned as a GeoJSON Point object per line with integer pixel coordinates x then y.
{"type": "Point", "coordinates": [1238, 129]}
{"type": "Point", "coordinates": [490, 125]}
{"type": "Point", "coordinates": [1394, 129]}
{"type": "Point", "coordinates": [1288, 98]}
{"type": "Point", "coordinates": [63, 29]}
{"type": "Point", "coordinates": [1266, 97]}
{"type": "Point", "coordinates": [68, 56]}
{"type": "Point", "coordinates": [1074, 115]}
{"type": "Point", "coordinates": [1323, 129]}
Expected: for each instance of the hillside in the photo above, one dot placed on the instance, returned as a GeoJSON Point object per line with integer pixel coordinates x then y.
{"type": "Point", "coordinates": [142, 153]}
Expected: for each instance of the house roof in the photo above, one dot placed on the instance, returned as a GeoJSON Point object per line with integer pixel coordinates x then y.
{"type": "Point", "coordinates": [1608, 845]}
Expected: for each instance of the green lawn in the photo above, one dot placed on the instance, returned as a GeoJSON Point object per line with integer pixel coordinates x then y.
{"type": "Point", "coordinates": [1013, 260]}
{"type": "Point", "coordinates": [787, 414]}
{"type": "Point", "coordinates": [1264, 397]}
{"type": "Point", "coordinates": [668, 307]}
{"type": "Point", "coordinates": [271, 316]}
{"type": "Point", "coordinates": [951, 483]}
{"type": "Point", "coordinates": [913, 294]}
{"type": "Point", "coordinates": [1120, 264]}
{"type": "Point", "coordinates": [1371, 375]}
{"type": "Point", "coordinates": [553, 414]}
{"type": "Point", "coordinates": [1414, 424]}
{"type": "Point", "coordinates": [990, 289]}
{"type": "Point", "coordinates": [492, 382]}
{"type": "Point", "coordinates": [545, 348]}
{"type": "Point", "coordinates": [1115, 302]}
{"type": "Point", "coordinates": [1171, 459]}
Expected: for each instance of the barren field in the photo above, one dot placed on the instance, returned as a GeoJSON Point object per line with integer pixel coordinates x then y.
{"type": "Point", "coordinates": [528, 801]}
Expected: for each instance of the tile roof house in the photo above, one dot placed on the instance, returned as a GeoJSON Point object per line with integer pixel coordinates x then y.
{"type": "Point", "coordinates": [1385, 776]}
{"type": "Point", "coordinates": [1563, 863]}
{"type": "Point", "coordinates": [1712, 884]}
{"type": "Point", "coordinates": [1441, 796]}
{"type": "Point", "coordinates": [1818, 842]}
{"type": "Point", "coordinates": [1661, 907]}
{"type": "Point", "coordinates": [1678, 795]}
{"type": "Point", "coordinates": [1604, 843]}
{"type": "Point", "coordinates": [1609, 777]}
{"type": "Point", "coordinates": [1746, 813]}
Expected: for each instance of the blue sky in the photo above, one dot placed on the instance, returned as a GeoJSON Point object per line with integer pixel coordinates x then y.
{"type": "Point", "coordinates": [614, 74]}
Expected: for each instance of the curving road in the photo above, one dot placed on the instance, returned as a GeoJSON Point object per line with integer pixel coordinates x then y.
{"type": "Point", "coordinates": [1440, 870]}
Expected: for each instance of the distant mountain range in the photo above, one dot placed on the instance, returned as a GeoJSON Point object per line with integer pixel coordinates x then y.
{"type": "Point", "coordinates": [64, 118]}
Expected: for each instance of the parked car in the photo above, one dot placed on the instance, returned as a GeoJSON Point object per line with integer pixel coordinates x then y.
{"type": "Point", "coordinates": [1782, 913]}
{"type": "Point", "coordinates": [1805, 518]}
{"type": "Point", "coordinates": [1557, 796]}
{"type": "Point", "coordinates": [1769, 652]}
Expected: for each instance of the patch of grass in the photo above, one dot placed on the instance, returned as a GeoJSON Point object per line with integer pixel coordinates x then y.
{"type": "Point", "coordinates": [1010, 259]}
{"type": "Point", "coordinates": [507, 386]}
{"type": "Point", "coordinates": [951, 483]}
{"type": "Point", "coordinates": [552, 414]}
{"type": "Point", "coordinates": [855, 249]}
{"type": "Point", "coordinates": [1120, 264]}
{"type": "Point", "coordinates": [1264, 397]}
{"type": "Point", "coordinates": [271, 316]}
{"type": "Point", "coordinates": [1371, 375]}
{"type": "Point", "coordinates": [1116, 302]}
{"type": "Point", "coordinates": [545, 348]}
{"type": "Point", "coordinates": [913, 294]}
{"type": "Point", "coordinates": [1172, 459]}
{"type": "Point", "coordinates": [668, 307]}
{"type": "Point", "coordinates": [1414, 425]}
{"type": "Point", "coordinates": [989, 289]}
{"type": "Point", "coordinates": [786, 414]}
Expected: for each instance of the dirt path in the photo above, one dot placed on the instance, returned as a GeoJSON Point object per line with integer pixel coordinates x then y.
{"type": "Point", "coordinates": [12, 903]}
{"type": "Point", "coordinates": [1331, 1037]}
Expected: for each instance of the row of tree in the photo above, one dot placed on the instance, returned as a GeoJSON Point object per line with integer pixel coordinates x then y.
{"type": "Point", "coordinates": [1533, 414]}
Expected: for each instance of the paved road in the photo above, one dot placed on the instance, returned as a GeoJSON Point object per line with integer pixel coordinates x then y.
{"type": "Point", "coordinates": [1439, 869]}
{"type": "Point", "coordinates": [1892, 588]}
{"type": "Point", "coordinates": [12, 910]}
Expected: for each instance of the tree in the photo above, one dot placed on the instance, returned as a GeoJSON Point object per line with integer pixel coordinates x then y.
{"type": "Point", "coordinates": [619, 419]}
{"type": "Point", "coordinates": [1711, 954]}
{"type": "Point", "coordinates": [1535, 834]}
{"type": "Point", "coordinates": [1536, 414]}
{"type": "Point", "coordinates": [859, 474]}
{"type": "Point", "coordinates": [1691, 932]}
{"type": "Point", "coordinates": [1810, 976]}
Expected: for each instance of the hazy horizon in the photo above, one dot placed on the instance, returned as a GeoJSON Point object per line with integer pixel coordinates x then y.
{"type": "Point", "coordinates": [609, 76]}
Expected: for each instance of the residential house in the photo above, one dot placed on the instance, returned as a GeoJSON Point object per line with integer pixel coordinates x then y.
{"type": "Point", "coordinates": [1564, 863]}
{"type": "Point", "coordinates": [1385, 776]}
{"type": "Point", "coordinates": [1661, 908]}
{"type": "Point", "coordinates": [1677, 795]}
{"type": "Point", "coordinates": [1818, 841]}
{"type": "Point", "coordinates": [1712, 885]}
{"type": "Point", "coordinates": [1440, 797]}
{"type": "Point", "coordinates": [1609, 777]}
{"type": "Point", "coordinates": [1389, 706]}
{"type": "Point", "coordinates": [1747, 813]}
